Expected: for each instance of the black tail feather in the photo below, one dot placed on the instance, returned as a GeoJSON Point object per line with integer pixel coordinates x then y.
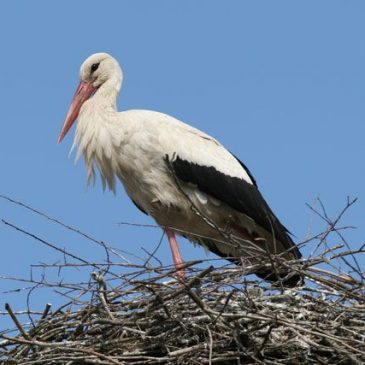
{"type": "Point", "coordinates": [283, 277]}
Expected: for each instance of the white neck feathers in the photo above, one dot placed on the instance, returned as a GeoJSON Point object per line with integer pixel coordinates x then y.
{"type": "Point", "coordinates": [97, 134]}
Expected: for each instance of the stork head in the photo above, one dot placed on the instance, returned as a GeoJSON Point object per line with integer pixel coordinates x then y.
{"type": "Point", "coordinates": [97, 70]}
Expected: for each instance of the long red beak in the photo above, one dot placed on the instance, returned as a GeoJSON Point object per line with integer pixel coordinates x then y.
{"type": "Point", "coordinates": [83, 92]}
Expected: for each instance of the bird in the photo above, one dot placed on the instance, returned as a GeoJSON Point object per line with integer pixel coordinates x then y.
{"type": "Point", "coordinates": [186, 180]}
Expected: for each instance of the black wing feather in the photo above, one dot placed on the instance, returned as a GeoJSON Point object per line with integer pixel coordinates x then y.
{"type": "Point", "coordinates": [246, 169]}
{"type": "Point", "coordinates": [235, 192]}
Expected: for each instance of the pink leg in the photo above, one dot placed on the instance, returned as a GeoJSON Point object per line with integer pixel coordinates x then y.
{"type": "Point", "coordinates": [175, 250]}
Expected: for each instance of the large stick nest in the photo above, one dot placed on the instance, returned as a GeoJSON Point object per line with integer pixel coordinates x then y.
{"type": "Point", "coordinates": [147, 315]}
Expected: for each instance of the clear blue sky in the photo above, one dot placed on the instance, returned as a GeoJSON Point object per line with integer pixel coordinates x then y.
{"type": "Point", "coordinates": [281, 84]}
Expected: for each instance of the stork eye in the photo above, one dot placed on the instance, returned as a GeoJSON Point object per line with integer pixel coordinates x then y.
{"type": "Point", "coordinates": [94, 67]}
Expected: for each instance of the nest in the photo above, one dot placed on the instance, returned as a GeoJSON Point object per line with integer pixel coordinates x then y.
{"type": "Point", "coordinates": [146, 314]}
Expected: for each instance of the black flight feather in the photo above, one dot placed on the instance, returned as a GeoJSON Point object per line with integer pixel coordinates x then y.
{"type": "Point", "coordinates": [237, 193]}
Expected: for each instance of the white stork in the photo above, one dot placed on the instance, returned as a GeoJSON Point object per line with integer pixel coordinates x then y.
{"type": "Point", "coordinates": [185, 179]}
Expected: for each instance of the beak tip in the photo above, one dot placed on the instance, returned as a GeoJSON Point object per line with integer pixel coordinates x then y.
{"type": "Point", "coordinates": [84, 92]}
{"type": "Point", "coordinates": [59, 140]}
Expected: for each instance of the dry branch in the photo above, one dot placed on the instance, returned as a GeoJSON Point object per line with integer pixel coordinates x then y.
{"type": "Point", "coordinates": [138, 314]}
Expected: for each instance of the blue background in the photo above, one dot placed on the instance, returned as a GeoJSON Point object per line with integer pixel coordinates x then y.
{"type": "Point", "coordinates": [281, 84]}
